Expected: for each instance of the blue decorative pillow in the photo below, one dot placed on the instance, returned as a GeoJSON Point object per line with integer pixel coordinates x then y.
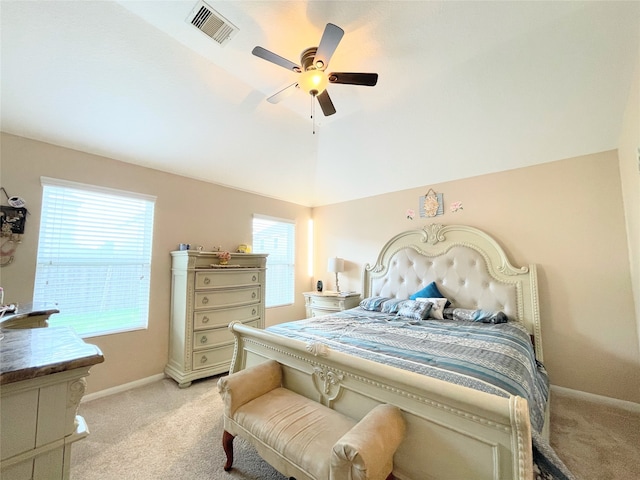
{"type": "Point", "coordinates": [415, 310]}
{"type": "Point", "coordinates": [373, 304]}
{"type": "Point", "coordinates": [392, 305]}
{"type": "Point", "coordinates": [430, 291]}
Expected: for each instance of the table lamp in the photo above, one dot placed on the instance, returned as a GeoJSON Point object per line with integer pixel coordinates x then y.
{"type": "Point", "coordinates": [336, 265]}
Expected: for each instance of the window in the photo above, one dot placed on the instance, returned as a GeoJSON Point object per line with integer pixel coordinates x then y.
{"type": "Point", "coordinates": [94, 257]}
{"type": "Point", "coordinates": [276, 237]}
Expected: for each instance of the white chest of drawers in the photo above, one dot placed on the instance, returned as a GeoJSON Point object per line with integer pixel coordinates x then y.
{"type": "Point", "coordinates": [204, 300]}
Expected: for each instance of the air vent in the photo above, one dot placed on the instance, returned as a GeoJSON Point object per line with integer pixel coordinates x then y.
{"type": "Point", "coordinates": [211, 23]}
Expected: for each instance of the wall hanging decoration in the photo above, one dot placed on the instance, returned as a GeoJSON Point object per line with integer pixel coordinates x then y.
{"type": "Point", "coordinates": [455, 206]}
{"type": "Point", "coordinates": [431, 204]}
{"type": "Point", "coordinates": [411, 214]}
{"type": "Point", "coordinates": [12, 220]}
{"type": "Point", "coordinates": [12, 224]}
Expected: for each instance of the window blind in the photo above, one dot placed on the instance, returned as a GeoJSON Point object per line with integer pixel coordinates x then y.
{"type": "Point", "coordinates": [94, 257]}
{"type": "Point", "coordinates": [277, 238]}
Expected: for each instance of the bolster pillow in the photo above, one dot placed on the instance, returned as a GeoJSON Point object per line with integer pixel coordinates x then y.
{"type": "Point", "coordinates": [246, 385]}
{"type": "Point", "coordinates": [366, 451]}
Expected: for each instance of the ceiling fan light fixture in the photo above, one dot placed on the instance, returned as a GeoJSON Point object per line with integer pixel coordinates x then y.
{"type": "Point", "coordinates": [313, 81]}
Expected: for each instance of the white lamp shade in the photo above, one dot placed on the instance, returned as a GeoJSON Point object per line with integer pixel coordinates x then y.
{"type": "Point", "coordinates": [335, 265]}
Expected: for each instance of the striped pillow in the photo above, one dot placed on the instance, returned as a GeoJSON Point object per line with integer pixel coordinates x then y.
{"type": "Point", "coordinates": [373, 304]}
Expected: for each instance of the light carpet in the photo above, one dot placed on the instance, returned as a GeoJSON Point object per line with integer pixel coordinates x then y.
{"type": "Point", "coordinates": [162, 432]}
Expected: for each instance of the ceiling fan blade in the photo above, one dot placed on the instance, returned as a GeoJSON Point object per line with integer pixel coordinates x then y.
{"type": "Point", "coordinates": [365, 79]}
{"type": "Point", "coordinates": [328, 44]}
{"type": "Point", "coordinates": [282, 94]}
{"type": "Point", "coordinates": [277, 59]}
{"type": "Point", "coordinates": [326, 104]}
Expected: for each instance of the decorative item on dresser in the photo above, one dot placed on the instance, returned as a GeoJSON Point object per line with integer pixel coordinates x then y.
{"type": "Point", "coordinates": [205, 297]}
{"type": "Point", "coordinates": [319, 303]}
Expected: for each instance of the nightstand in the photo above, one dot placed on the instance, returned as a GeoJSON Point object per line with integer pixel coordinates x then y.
{"type": "Point", "coordinates": [323, 303]}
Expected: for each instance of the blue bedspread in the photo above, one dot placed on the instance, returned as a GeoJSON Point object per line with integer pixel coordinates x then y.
{"type": "Point", "coordinates": [493, 358]}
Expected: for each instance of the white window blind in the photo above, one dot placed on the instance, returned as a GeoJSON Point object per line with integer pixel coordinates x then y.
{"type": "Point", "coordinates": [276, 237]}
{"type": "Point", "coordinates": [94, 257]}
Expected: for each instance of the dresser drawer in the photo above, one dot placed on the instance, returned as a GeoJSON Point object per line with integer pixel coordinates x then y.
{"type": "Point", "coordinates": [226, 278]}
{"type": "Point", "coordinates": [215, 337]}
{"type": "Point", "coordinates": [216, 318]}
{"type": "Point", "coordinates": [327, 302]}
{"type": "Point", "coordinates": [212, 357]}
{"type": "Point", "coordinates": [227, 298]}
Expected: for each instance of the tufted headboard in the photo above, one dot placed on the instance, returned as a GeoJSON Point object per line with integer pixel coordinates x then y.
{"type": "Point", "coordinates": [469, 267]}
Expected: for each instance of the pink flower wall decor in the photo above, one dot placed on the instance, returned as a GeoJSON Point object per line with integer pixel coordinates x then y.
{"type": "Point", "coordinates": [455, 206]}
{"type": "Point", "coordinates": [411, 214]}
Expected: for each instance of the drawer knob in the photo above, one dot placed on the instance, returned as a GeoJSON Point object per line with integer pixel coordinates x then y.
{"type": "Point", "coordinates": [203, 359]}
{"type": "Point", "coordinates": [207, 280]}
{"type": "Point", "coordinates": [254, 311]}
{"type": "Point", "coordinates": [203, 339]}
{"type": "Point", "coordinates": [253, 295]}
{"type": "Point", "coordinates": [205, 300]}
{"type": "Point", "coordinates": [254, 278]}
{"type": "Point", "coordinates": [205, 319]}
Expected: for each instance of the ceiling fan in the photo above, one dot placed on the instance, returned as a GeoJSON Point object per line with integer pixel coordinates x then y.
{"type": "Point", "coordinates": [314, 62]}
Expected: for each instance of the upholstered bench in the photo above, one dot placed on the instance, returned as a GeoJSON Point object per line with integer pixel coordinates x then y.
{"type": "Point", "coordinates": [302, 438]}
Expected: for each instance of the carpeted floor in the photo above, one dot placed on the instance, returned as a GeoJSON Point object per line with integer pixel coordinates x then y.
{"type": "Point", "coordinates": [161, 432]}
{"type": "Point", "coordinates": [596, 441]}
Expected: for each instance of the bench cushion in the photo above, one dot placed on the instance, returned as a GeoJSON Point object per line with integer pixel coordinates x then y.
{"type": "Point", "coordinates": [300, 429]}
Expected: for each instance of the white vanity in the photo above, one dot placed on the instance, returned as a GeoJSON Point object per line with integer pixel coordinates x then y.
{"type": "Point", "coordinates": [42, 379]}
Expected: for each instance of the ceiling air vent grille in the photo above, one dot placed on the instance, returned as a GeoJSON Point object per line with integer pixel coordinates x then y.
{"type": "Point", "coordinates": [211, 23]}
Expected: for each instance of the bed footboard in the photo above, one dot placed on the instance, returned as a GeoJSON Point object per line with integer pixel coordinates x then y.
{"type": "Point", "coordinates": [453, 432]}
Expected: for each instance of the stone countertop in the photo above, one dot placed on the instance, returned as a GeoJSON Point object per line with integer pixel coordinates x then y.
{"type": "Point", "coordinates": [29, 309]}
{"type": "Point", "coordinates": [34, 352]}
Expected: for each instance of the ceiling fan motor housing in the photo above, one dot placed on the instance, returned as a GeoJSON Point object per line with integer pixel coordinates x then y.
{"type": "Point", "coordinates": [306, 59]}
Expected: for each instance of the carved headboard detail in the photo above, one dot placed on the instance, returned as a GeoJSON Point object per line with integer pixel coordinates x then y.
{"type": "Point", "coordinates": [470, 268]}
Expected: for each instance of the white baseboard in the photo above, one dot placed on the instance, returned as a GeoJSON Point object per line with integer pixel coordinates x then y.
{"type": "Point", "coordinates": [592, 397]}
{"type": "Point", "coordinates": [122, 388]}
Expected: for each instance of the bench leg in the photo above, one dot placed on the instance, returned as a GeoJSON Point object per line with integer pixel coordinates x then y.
{"type": "Point", "coordinates": [227, 445]}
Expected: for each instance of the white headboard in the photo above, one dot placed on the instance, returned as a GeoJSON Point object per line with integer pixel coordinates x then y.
{"type": "Point", "coordinates": [469, 267]}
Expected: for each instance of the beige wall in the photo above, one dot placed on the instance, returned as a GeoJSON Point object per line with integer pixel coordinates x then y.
{"type": "Point", "coordinates": [187, 211]}
{"type": "Point", "coordinates": [629, 152]}
{"type": "Point", "coordinates": [565, 216]}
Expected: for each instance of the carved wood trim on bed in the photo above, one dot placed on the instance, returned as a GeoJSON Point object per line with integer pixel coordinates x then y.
{"type": "Point", "coordinates": [470, 268]}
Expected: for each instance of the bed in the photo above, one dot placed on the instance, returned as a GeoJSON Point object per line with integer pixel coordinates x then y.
{"type": "Point", "coordinates": [468, 416]}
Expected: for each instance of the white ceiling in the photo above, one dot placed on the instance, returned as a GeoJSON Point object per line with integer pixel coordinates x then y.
{"type": "Point", "coordinates": [465, 88]}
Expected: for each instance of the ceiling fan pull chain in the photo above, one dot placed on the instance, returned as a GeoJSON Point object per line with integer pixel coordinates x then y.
{"type": "Point", "coordinates": [313, 113]}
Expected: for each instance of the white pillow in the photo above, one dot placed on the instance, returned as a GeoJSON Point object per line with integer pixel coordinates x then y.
{"type": "Point", "coordinates": [437, 310]}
